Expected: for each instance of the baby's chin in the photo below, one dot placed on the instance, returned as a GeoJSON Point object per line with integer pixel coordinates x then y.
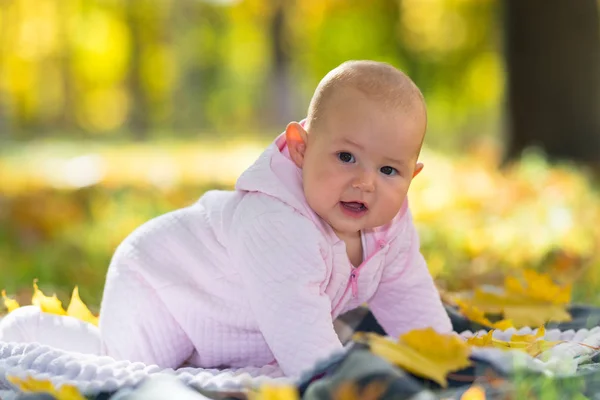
{"type": "Point", "coordinates": [349, 229]}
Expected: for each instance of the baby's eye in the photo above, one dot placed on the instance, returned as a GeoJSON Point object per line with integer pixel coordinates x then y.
{"type": "Point", "coordinates": [346, 157]}
{"type": "Point", "coordinates": [388, 170]}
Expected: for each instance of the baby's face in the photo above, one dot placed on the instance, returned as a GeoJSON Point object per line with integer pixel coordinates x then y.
{"type": "Point", "coordinates": [359, 162]}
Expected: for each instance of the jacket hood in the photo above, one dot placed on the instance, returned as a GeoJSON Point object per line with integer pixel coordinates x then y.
{"type": "Point", "coordinates": [276, 175]}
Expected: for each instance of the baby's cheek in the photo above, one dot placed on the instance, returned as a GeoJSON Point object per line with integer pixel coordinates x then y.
{"type": "Point", "coordinates": [393, 203]}
{"type": "Point", "coordinates": [319, 193]}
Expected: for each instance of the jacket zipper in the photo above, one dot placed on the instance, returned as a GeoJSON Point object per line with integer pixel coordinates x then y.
{"type": "Point", "coordinates": [353, 280]}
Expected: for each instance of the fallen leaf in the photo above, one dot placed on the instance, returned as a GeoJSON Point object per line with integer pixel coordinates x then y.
{"type": "Point", "coordinates": [79, 310]}
{"type": "Point", "coordinates": [520, 309]}
{"type": "Point", "coordinates": [475, 392]}
{"type": "Point", "coordinates": [47, 304]}
{"type": "Point", "coordinates": [423, 352]}
{"type": "Point", "coordinates": [538, 286]}
{"type": "Point", "coordinates": [346, 391]}
{"type": "Point", "coordinates": [481, 340]}
{"type": "Point", "coordinates": [10, 304]}
{"type": "Point", "coordinates": [274, 392]}
{"type": "Point", "coordinates": [529, 338]}
{"type": "Point", "coordinates": [539, 346]}
{"type": "Point", "coordinates": [351, 391]}
{"type": "Point", "coordinates": [530, 344]}
{"type": "Point", "coordinates": [531, 300]}
{"type": "Point", "coordinates": [31, 385]}
{"type": "Point", "coordinates": [476, 315]}
{"type": "Point", "coordinates": [536, 314]}
{"type": "Point", "coordinates": [53, 305]}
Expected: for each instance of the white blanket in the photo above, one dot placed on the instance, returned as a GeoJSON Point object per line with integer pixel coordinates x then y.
{"type": "Point", "coordinates": [93, 374]}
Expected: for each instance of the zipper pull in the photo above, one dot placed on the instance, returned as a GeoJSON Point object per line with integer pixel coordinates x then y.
{"type": "Point", "coordinates": [353, 283]}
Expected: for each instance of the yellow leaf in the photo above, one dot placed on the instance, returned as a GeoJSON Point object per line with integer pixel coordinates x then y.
{"type": "Point", "coordinates": [523, 311]}
{"type": "Point", "coordinates": [346, 391]}
{"type": "Point", "coordinates": [503, 324]}
{"type": "Point", "coordinates": [539, 287]}
{"type": "Point", "coordinates": [29, 384]}
{"type": "Point", "coordinates": [78, 309]}
{"type": "Point", "coordinates": [531, 344]}
{"type": "Point", "coordinates": [423, 352]}
{"type": "Point", "coordinates": [47, 304]}
{"type": "Point", "coordinates": [529, 338]}
{"type": "Point", "coordinates": [274, 392]}
{"type": "Point", "coordinates": [474, 393]}
{"type": "Point", "coordinates": [535, 343]}
{"type": "Point", "coordinates": [10, 304]}
{"type": "Point", "coordinates": [351, 391]}
{"type": "Point", "coordinates": [481, 341]}
{"type": "Point", "coordinates": [476, 315]}
{"type": "Point", "coordinates": [539, 346]}
{"type": "Point", "coordinates": [536, 314]}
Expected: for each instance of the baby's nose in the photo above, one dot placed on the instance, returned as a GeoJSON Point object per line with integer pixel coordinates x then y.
{"type": "Point", "coordinates": [365, 182]}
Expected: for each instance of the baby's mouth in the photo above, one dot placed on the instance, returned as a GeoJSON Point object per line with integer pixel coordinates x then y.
{"type": "Point", "coordinates": [354, 206]}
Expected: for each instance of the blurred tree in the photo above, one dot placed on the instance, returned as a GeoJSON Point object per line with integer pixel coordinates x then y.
{"type": "Point", "coordinates": [553, 62]}
{"type": "Point", "coordinates": [281, 109]}
{"type": "Point", "coordinates": [137, 24]}
{"type": "Point", "coordinates": [144, 69]}
{"type": "Point", "coordinates": [67, 119]}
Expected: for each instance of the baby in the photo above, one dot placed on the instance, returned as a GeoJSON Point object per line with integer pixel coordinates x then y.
{"type": "Point", "coordinates": [317, 226]}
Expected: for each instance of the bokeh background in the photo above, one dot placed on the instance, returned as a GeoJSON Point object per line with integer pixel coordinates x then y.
{"type": "Point", "coordinates": [113, 112]}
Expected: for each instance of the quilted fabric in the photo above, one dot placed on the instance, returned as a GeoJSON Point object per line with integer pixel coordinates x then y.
{"type": "Point", "coordinates": [254, 277]}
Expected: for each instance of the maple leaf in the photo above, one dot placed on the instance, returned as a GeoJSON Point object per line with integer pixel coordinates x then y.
{"type": "Point", "coordinates": [31, 385]}
{"type": "Point", "coordinates": [423, 352]}
{"type": "Point", "coordinates": [10, 304]}
{"type": "Point", "coordinates": [530, 344]}
{"type": "Point", "coordinates": [481, 340]}
{"type": "Point", "coordinates": [78, 309]}
{"type": "Point", "coordinates": [539, 287]}
{"type": "Point", "coordinates": [476, 315]}
{"type": "Point", "coordinates": [47, 304]}
{"type": "Point", "coordinates": [521, 310]}
{"type": "Point", "coordinates": [53, 305]}
{"type": "Point", "coordinates": [532, 300]}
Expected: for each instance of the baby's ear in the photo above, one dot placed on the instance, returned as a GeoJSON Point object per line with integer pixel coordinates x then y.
{"type": "Point", "coordinates": [418, 168]}
{"type": "Point", "coordinates": [296, 138]}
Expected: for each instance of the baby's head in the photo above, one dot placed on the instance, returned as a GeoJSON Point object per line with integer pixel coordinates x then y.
{"type": "Point", "coordinates": [359, 148]}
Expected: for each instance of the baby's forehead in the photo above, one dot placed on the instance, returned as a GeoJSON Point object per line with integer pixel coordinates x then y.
{"type": "Point", "coordinates": [389, 100]}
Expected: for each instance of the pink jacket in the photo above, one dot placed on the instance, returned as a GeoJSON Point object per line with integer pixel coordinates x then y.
{"type": "Point", "coordinates": [253, 276]}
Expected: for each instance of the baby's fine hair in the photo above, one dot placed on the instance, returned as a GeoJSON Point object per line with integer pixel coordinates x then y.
{"type": "Point", "coordinates": [377, 80]}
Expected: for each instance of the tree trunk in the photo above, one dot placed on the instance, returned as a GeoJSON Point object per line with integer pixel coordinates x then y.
{"type": "Point", "coordinates": [553, 63]}
{"type": "Point", "coordinates": [138, 114]}
{"type": "Point", "coordinates": [281, 95]}
{"type": "Point", "coordinates": [67, 120]}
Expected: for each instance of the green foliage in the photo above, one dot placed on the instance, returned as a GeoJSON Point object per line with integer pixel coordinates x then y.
{"type": "Point", "coordinates": [477, 223]}
{"type": "Point", "coordinates": [142, 69]}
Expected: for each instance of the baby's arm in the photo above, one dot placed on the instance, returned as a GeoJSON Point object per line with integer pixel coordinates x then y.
{"type": "Point", "coordinates": [407, 298]}
{"type": "Point", "coordinates": [134, 323]}
{"type": "Point", "coordinates": [277, 253]}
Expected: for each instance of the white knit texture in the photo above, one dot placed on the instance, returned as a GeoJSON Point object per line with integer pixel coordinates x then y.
{"type": "Point", "coordinates": [95, 374]}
